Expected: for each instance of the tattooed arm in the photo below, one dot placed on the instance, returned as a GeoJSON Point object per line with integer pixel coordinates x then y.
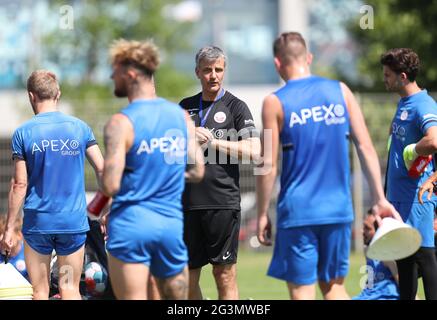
{"type": "Point", "coordinates": [119, 136]}
{"type": "Point", "coordinates": [196, 163]}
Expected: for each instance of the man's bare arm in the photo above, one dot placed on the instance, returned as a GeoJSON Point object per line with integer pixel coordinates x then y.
{"type": "Point", "coordinates": [428, 144]}
{"type": "Point", "coordinates": [95, 158]}
{"type": "Point", "coordinates": [368, 156]}
{"type": "Point", "coordinates": [272, 117]}
{"type": "Point", "coordinates": [196, 163]}
{"type": "Point", "coordinates": [118, 136]}
{"type": "Point", "coordinates": [17, 193]}
{"type": "Point", "coordinates": [249, 148]}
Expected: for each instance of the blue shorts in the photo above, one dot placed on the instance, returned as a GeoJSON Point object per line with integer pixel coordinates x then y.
{"type": "Point", "coordinates": [139, 235]}
{"type": "Point", "coordinates": [303, 255]}
{"type": "Point", "coordinates": [63, 244]}
{"type": "Point", "coordinates": [419, 216]}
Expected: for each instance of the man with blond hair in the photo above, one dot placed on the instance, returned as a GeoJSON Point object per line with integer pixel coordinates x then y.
{"type": "Point", "coordinates": [147, 144]}
{"type": "Point", "coordinates": [48, 153]}
{"type": "Point", "coordinates": [313, 118]}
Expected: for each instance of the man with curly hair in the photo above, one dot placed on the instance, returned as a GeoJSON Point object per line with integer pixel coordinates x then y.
{"type": "Point", "coordinates": [147, 144]}
{"type": "Point", "coordinates": [413, 134]}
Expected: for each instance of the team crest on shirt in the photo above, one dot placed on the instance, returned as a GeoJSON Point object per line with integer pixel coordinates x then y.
{"type": "Point", "coordinates": [404, 115]}
{"type": "Point", "coordinates": [220, 117]}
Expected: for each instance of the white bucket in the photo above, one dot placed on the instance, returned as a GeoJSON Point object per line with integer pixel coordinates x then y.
{"type": "Point", "coordinates": [394, 240]}
{"type": "Point", "coordinates": [13, 286]}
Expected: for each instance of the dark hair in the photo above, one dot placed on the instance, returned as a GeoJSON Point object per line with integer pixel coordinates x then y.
{"type": "Point", "coordinates": [289, 45]}
{"type": "Point", "coordinates": [375, 223]}
{"type": "Point", "coordinates": [402, 60]}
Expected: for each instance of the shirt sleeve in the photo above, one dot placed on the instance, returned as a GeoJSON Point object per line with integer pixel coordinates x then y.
{"type": "Point", "coordinates": [18, 146]}
{"type": "Point", "coordinates": [243, 121]}
{"type": "Point", "coordinates": [427, 116]}
{"type": "Point", "coordinates": [90, 139]}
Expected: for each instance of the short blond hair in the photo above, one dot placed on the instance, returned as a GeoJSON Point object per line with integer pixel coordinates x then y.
{"type": "Point", "coordinates": [44, 84]}
{"type": "Point", "coordinates": [142, 55]}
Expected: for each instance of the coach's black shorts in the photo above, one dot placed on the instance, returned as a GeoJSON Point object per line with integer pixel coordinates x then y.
{"type": "Point", "coordinates": [211, 236]}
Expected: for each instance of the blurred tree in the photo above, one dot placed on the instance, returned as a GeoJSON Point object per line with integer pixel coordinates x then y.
{"type": "Point", "coordinates": [82, 52]}
{"type": "Point", "coordinates": [398, 23]}
{"type": "Point", "coordinates": [329, 39]}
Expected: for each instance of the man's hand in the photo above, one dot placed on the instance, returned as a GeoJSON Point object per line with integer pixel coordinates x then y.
{"type": "Point", "coordinates": [264, 230]}
{"type": "Point", "coordinates": [384, 209]}
{"type": "Point", "coordinates": [103, 220]}
{"type": "Point", "coordinates": [7, 242]}
{"type": "Point", "coordinates": [203, 136]}
{"type": "Point", "coordinates": [428, 186]}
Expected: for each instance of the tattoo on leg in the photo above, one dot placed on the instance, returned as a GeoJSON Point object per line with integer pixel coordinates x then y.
{"type": "Point", "coordinates": [175, 288]}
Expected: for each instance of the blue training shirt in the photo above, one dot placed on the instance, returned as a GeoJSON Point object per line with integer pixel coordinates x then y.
{"type": "Point", "coordinates": [53, 146]}
{"type": "Point", "coordinates": [415, 114]}
{"type": "Point", "coordinates": [380, 284]}
{"type": "Point", "coordinates": [315, 183]}
{"type": "Point", "coordinates": [154, 174]}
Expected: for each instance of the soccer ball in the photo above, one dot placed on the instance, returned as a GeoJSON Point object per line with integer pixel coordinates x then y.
{"type": "Point", "coordinates": [96, 279]}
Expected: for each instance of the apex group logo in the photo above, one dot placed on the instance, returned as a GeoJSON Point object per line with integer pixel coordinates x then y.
{"type": "Point", "coordinates": [334, 114]}
{"type": "Point", "coordinates": [64, 147]}
{"type": "Point", "coordinates": [398, 131]}
{"type": "Point", "coordinates": [163, 144]}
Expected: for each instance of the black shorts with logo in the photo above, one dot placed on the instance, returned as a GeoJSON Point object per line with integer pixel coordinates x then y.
{"type": "Point", "coordinates": [211, 236]}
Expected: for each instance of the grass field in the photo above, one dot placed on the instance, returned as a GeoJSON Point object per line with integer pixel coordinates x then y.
{"type": "Point", "coordinates": [255, 284]}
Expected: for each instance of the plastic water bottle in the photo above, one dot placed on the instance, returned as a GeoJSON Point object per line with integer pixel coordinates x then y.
{"type": "Point", "coordinates": [419, 165]}
{"type": "Point", "coordinates": [96, 205]}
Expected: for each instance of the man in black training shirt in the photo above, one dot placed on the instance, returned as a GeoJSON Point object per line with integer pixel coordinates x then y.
{"type": "Point", "coordinates": [225, 129]}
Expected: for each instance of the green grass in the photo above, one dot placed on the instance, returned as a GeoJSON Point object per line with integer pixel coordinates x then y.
{"type": "Point", "coordinates": [253, 282]}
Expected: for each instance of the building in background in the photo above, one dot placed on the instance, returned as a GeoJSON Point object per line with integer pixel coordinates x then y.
{"type": "Point", "coordinates": [245, 29]}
